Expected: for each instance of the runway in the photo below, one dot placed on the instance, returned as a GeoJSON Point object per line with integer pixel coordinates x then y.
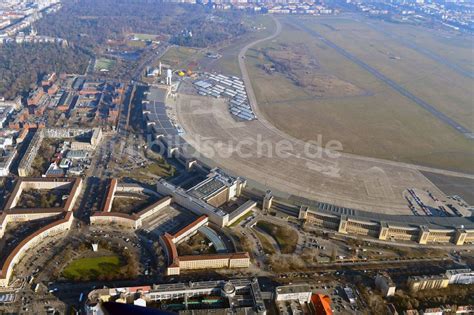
{"type": "Point", "coordinates": [426, 52]}
{"type": "Point", "coordinates": [350, 181]}
{"type": "Point", "coordinates": [395, 86]}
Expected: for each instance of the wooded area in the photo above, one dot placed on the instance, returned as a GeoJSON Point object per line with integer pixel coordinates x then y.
{"type": "Point", "coordinates": [21, 66]}
{"type": "Point", "coordinates": [91, 23]}
{"type": "Point", "coordinates": [98, 27]}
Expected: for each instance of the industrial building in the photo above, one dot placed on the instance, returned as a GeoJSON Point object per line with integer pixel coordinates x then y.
{"type": "Point", "coordinates": [32, 240]}
{"type": "Point", "coordinates": [235, 296]}
{"type": "Point", "coordinates": [432, 282]}
{"type": "Point", "coordinates": [5, 112]}
{"type": "Point", "coordinates": [321, 304]}
{"type": "Point", "coordinates": [12, 214]}
{"type": "Point", "coordinates": [299, 299]}
{"type": "Point", "coordinates": [134, 220]}
{"type": "Point", "coordinates": [350, 295]}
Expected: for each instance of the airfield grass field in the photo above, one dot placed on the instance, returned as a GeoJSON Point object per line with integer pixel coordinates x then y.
{"type": "Point", "coordinates": [453, 46]}
{"type": "Point", "coordinates": [377, 121]}
{"type": "Point", "coordinates": [440, 86]}
{"type": "Point", "coordinates": [179, 57]}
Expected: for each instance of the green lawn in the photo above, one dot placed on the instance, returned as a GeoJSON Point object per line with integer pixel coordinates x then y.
{"type": "Point", "coordinates": [145, 36]}
{"type": "Point", "coordinates": [284, 236]}
{"type": "Point", "coordinates": [104, 63]}
{"type": "Point", "coordinates": [242, 218]}
{"type": "Point", "coordinates": [182, 57]}
{"type": "Point", "coordinates": [136, 44]}
{"type": "Point", "coordinates": [266, 245]}
{"type": "Point", "coordinates": [162, 169]}
{"type": "Point", "coordinates": [92, 267]}
{"type": "Point", "coordinates": [380, 123]}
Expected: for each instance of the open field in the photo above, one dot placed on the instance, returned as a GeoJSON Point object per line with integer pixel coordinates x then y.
{"type": "Point", "coordinates": [104, 63]}
{"type": "Point", "coordinates": [455, 48]}
{"type": "Point", "coordinates": [197, 243]}
{"type": "Point", "coordinates": [347, 180]}
{"type": "Point", "coordinates": [92, 267]}
{"type": "Point", "coordinates": [380, 122]}
{"type": "Point", "coordinates": [433, 82]}
{"type": "Point", "coordinates": [260, 26]}
{"type": "Point", "coordinates": [136, 43]}
{"type": "Point", "coordinates": [179, 57]}
{"type": "Point", "coordinates": [145, 36]}
{"type": "Point", "coordinates": [158, 168]}
{"type": "Point", "coordinates": [37, 198]}
{"type": "Point", "coordinates": [266, 245]}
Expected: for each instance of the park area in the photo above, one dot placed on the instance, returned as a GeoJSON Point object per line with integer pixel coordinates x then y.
{"type": "Point", "coordinates": [104, 64]}
{"type": "Point", "coordinates": [285, 237]}
{"type": "Point", "coordinates": [197, 244]}
{"type": "Point", "coordinates": [93, 267]}
{"type": "Point", "coordinates": [145, 37]}
{"type": "Point", "coordinates": [307, 89]}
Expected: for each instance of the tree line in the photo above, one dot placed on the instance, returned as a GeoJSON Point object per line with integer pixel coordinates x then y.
{"type": "Point", "coordinates": [23, 65]}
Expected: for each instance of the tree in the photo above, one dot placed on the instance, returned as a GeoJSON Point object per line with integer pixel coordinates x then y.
{"type": "Point", "coordinates": [22, 66]}
{"type": "Point", "coordinates": [333, 254]}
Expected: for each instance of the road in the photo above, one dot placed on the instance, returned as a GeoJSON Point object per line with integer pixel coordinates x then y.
{"type": "Point", "coordinates": [155, 55]}
{"type": "Point", "coordinates": [395, 86]}
{"type": "Point", "coordinates": [245, 74]}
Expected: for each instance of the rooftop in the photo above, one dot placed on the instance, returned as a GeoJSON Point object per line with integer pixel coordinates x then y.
{"type": "Point", "coordinates": [297, 288]}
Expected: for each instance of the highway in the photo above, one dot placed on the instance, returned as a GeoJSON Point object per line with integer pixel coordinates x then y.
{"type": "Point", "coordinates": [430, 108]}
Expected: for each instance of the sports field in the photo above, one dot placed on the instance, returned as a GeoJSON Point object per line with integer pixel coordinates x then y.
{"type": "Point", "coordinates": [145, 36]}
{"type": "Point", "coordinates": [340, 100]}
{"type": "Point", "coordinates": [104, 64]}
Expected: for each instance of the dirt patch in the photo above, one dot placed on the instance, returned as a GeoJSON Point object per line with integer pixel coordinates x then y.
{"type": "Point", "coordinates": [303, 68]}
